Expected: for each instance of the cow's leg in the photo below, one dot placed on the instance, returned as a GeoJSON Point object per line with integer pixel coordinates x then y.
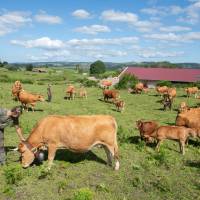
{"type": "Point", "coordinates": [182, 147]}
{"type": "Point", "coordinates": [51, 155]}
{"type": "Point", "coordinates": [158, 145]}
{"type": "Point", "coordinates": [109, 155]}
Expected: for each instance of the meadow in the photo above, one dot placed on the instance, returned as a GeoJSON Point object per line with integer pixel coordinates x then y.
{"type": "Point", "coordinates": [144, 173]}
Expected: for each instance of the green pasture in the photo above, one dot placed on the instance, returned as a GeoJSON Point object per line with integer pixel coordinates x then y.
{"type": "Point", "coordinates": [144, 174]}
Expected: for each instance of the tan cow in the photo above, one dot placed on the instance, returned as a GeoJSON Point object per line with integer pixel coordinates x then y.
{"type": "Point", "coordinates": [75, 133]}
{"type": "Point", "coordinates": [139, 88]}
{"type": "Point", "coordinates": [162, 90]}
{"type": "Point", "coordinates": [27, 99]}
{"type": "Point", "coordinates": [16, 88]}
{"type": "Point", "coordinates": [178, 133]}
{"type": "Point", "coordinates": [183, 107]}
{"type": "Point", "coordinates": [83, 92]}
{"type": "Point", "coordinates": [191, 90]}
{"type": "Point", "coordinates": [70, 91]}
{"type": "Point", "coordinates": [172, 93]}
{"type": "Point", "coordinates": [190, 118]}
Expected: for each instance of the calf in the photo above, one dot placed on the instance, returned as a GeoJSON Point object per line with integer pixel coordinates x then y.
{"type": "Point", "coordinates": [120, 105]}
{"type": "Point", "coordinates": [179, 133]}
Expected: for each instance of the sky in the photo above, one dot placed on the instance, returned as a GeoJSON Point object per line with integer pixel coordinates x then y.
{"type": "Point", "coordinates": [107, 30]}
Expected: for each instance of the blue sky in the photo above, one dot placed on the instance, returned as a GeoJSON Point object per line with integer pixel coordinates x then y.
{"type": "Point", "coordinates": [109, 30]}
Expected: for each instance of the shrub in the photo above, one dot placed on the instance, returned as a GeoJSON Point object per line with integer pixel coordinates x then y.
{"type": "Point", "coordinates": [127, 81]}
{"type": "Point", "coordinates": [164, 83]}
{"type": "Point", "coordinates": [13, 174]}
{"type": "Point", "coordinates": [88, 83]}
{"type": "Point", "coordinates": [83, 194]}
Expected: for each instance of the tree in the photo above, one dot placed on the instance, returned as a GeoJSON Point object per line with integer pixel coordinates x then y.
{"type": "Point", "coordinates": [127, 81]}
{"type": "Point", "coordinates": [97, 67]}
{"type": "Point", "coordinates": [29, 67]}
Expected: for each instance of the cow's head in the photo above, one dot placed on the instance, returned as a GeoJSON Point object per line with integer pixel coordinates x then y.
{"type": "Point", "coordinates": [27, 154]}
{"type": "Point", "coordinates": [40, 98]}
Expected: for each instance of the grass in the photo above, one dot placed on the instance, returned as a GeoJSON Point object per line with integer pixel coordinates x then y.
{"type": "Point", "coordinates": [144, 173]}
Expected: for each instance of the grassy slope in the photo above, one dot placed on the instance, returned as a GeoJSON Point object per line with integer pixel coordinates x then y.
{"type": "Point", "coordinates": [144, 174]}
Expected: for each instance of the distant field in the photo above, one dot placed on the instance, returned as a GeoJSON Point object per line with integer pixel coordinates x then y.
{"type": "Point", "coordinates": [144, 173]}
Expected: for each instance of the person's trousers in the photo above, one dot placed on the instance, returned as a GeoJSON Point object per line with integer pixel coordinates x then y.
{"type": "Point", "coordinates": [2, 149]}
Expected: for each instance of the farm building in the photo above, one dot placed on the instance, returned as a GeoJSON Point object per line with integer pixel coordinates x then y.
{"type": "Point", "coordinates": [151, 75]}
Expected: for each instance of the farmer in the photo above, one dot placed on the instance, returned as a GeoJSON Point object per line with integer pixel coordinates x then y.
{"type": "Point", "coordinates": [49, 93]}
{"type": "Point", "coordinates": [9, 117]}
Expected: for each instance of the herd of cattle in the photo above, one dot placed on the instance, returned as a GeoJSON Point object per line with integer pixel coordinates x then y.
{"type": "Point", "coordinates": [81, 133]}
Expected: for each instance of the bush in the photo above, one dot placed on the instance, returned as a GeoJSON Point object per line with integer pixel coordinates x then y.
{"type": "Point", "coordinates": [164, 83]}
{"type": "Point", "coordinates": [127, 81]}
{"type": "Point", "coordinates": [83, 194]}
{"type": "Point", "coordinates": [88, 83]}
{"type": "Point", "coordinates": [13, 174]}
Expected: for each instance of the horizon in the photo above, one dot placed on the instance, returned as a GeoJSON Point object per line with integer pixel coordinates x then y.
{"type": "Point", "coordinates": [90, 30]}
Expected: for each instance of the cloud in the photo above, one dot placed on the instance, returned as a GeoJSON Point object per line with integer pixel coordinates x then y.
{"type": "Point", "coordinates": [12, 21]}
{"type": "Point", "coordinates": [188, 37]}
{"type": "Point", "coordinates": [42, 43]}
{"type": "Point", "coordinates": [174, 28]}
{"type": "Point", "coordinates": [158, 54]}
{"type": "Point", "coordinates": [163, 11]}
{"type": "Point", "coordinates": [81, 14]}
{"type": "Point", "coordinates": [130, 18]}
{"type": "Point", "coordinates": [93, 29]}
{"type": "Point", "coordinates": [117, 16]}
{"type": "Point", "coordinates": [42, 17]}
{"type": "Point", "coordinates": [101, 41]}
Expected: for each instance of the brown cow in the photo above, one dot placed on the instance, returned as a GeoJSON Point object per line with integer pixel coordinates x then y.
{"type": "Point", "coordinates": [29, 99]}
{"type": "Point", "coordinates": [191, 90]}
{"type": "Point", "coordinates": [179, 133]}
{"type": "Point", "coordinates": [70, 91]}
{"type": "Point", "coordinates": [146, 128]}
{"type": "Point", "coordinates": [76, 133]}
{"type": "Point", "coordinates": [120, 105]}
{"type": "Point", "coordinates": [162, 90]}
{"type": "Point", "coordinates": [16, 88]}
{"type": "Point", "coordinates": [110, 94]}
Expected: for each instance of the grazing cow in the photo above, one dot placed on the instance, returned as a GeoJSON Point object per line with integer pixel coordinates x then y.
{"type": "Point", "coordinates": [179, 133]}
{"type": "Point", "coordinates": [75, 133]}
{"type": "Point", "coordinates": [120, 105]}
{"type": "Point", "coordinates": [29, 99]}
{"type": "Point", "coordinates": [191, 90]}
{"type": "Point", "coordinates": [16, 88]}
{"type": "Point", "coordinates": [83, 92]}
{"type": "Point", "coordinates": [146, 128]}
{"type": "Point", "coordinates": [162, 90]}
{"type": "Point", "coordinates": [110, 94]}
{"type": "Point", "coordinates": [71, 91]}
{"type": "Point", "coordinates": [172, 93]}
{"type": "Point", "coordinates": [183, 107]}
{"type": "Point", "coordinates": [139, 88]}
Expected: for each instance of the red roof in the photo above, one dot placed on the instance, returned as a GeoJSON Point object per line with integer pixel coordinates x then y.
{"type": "Point", "coordinates": [169, 74]}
